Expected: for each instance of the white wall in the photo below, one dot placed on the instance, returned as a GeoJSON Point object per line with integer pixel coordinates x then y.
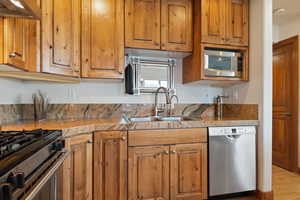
{"type": "Point", "coordinates": [105, 91]}
{"type": "Point", "coordinates": [275, 33]}
{"type": "Point", "coordinates": [259, 88]}
{"type": "Point", "coordinates": [288, 29]}
{"type": "Point", "coordinates": [11, 91]}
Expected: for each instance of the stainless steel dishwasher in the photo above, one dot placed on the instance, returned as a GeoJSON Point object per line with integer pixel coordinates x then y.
{"type": "Point", "coordinates": [232, 160]}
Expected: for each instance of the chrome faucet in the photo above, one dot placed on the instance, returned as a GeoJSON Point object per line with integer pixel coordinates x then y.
{"type": "Point", "coordinates": [171, 106]}
{"type": "Point", "coordinates": [220, 102]}
{"type": "Point", "coordinates": [158, 110]}
{"type": "Point", "coordinates": [168, 107]}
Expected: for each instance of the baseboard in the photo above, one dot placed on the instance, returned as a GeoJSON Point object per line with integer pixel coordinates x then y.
{"type": "Point", "coordinates": [265, 195]}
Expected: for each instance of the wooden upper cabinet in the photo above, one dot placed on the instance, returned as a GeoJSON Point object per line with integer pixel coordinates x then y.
{"type": "Point", "coordinates": [78, 168]}
{"type": "Point", "coordinates": [212, 21]}
{"type": "Point", "coordinates": [142, 24]}
{"type": "Point", "coordinates": [176, 25]}
{"type": "Point", "coordinates": [148, 171]}
{"type": "Point", "coordinates": [188, 171]}
{"type": "Point", "coordinates": [20, 43]}
{"type": "Point", "coordinates": [225, 22]}
{"type": "Point", "coordinates": [2, 40]}
{"type": "Point", "coordinates": [110, 165]}
{"type": "Point", "coordinates": [103, 39]}
{"type": "Point", "coordinates": [238, 24]}
{"type": "Point", "coordinates": [61, 37]}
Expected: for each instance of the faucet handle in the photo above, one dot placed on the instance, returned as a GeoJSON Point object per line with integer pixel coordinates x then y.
{"type": "Point", "coordinates": [220, 98]}
{"type": "Point", "coordinates": [159, 109]}
{"type": "Point", "coordinates": [174, 96]}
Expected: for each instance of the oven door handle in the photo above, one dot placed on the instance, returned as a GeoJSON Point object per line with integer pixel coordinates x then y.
{"type": "Point", "coordinates": [47, 176]}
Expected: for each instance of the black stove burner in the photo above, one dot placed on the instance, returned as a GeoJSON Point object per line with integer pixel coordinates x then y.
{"type": "Point", "coordinates": [11, 142]}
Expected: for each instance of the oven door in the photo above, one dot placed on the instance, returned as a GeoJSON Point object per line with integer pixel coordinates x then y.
{"type": "Point", "coordinates": [45, 183]}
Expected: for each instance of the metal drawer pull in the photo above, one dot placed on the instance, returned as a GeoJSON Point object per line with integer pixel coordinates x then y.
{"type": "Point", "coordinates": [166, 152]}
{"type": "Point", "coordinates": [173, 152]}
{"type": "Point", "coordinates": [46, 177]}
{"type": "Point", "coordinates": [124, 138]}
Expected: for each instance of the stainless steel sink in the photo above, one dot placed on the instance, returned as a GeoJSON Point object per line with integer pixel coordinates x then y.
{"type": "Point", "coordinates": [142, 119]}
{"type": "Point", "coordinates": [153, 119]}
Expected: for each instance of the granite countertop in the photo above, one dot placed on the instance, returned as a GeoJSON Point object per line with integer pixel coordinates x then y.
{"type": "Point", "coordinates": [76, 127]}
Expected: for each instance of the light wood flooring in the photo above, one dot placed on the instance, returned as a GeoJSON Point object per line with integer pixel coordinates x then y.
{"type": "Point", "coordinates": [286, 185]}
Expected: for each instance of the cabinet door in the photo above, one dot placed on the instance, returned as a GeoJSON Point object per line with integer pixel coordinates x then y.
{"type": "Point", "coordinates": [213, 18]}
{"type": "Point", "coordinates": [189, 171]}
{"type": "Point", "coordinates": [78, 168]}
{"type": "Point", "coordinates": [177, 25]}
{"type": "Point", "coordinates": [61, 37]}
{"type": "Point", "coordinates": [20, 43]}
{"type": "Point", "coordinates": [238, 22]}
{"type": "Point", "coordinates": [2, 40]}
{"type": "Point", "coordinates": [103, 38]}
{"type": "Point", "coordinates": [110, 166]}
{"type": "Point", "coordinates": [148, 172]}
{"type": "Point", "coordinates": [142, 24]}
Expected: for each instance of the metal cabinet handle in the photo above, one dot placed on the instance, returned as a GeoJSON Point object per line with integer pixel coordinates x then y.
{"type": "Point", "coordinates": [90, 141]}
{"type": "Point", "coordinates": [14, 54]}
{"type": "Point", "coordinates": [173, 152]}
{"type": "Point", "coordinates": [287, 113]}
{"type": "Point", "coordinates": [166, 152]}
{"type": "Point", "coordinates": [124, 138]}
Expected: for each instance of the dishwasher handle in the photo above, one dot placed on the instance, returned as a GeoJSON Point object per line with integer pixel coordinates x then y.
{"type": "Point", "coordinates": [233, 138]}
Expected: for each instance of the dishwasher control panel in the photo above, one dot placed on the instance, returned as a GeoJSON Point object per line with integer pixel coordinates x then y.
{"type": "Point", "coordinates": [241, 130]}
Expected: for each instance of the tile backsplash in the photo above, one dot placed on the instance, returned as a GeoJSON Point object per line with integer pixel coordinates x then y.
{"type": "Point", "coordinates": [20, 112]}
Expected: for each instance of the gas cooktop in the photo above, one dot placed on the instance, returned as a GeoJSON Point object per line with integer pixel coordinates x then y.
{"type": "Point", "coordinates": [15, 146]}
{"type": "Point", "coordinates": [14, 141]}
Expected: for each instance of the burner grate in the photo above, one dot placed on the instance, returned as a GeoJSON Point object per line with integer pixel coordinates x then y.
{"type": "Point", "coordinates": [11, 142]}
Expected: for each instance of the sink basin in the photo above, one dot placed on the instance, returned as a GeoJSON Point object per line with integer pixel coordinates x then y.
{"type": "Point", "coordinates": [142, 119]}
{"type": "Point", "coordinates": [173, 119]}
{"type": "Point", "coordinates": [153, 119]}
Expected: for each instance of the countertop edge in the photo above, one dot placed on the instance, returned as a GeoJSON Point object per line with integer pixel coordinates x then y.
{"type": "Point", "coordinates": [79, 130]}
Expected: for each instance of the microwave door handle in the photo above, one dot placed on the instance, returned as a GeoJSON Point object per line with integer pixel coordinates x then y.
{"type": "Point", "coordinates": [47, 176]}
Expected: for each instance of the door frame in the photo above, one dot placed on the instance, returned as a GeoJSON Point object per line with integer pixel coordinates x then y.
{"type": "Point", "coordinates": [293, 147]}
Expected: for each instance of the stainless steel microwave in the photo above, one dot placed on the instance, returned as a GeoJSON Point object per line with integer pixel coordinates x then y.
{"type": "Point", "coordinates": [223, 62]}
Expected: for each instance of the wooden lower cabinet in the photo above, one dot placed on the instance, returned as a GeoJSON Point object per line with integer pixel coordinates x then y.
{"type": "Point", "coordinates": [188, 171]}
{"type": "Point", "coordinates": [110, 165]}
{"type": "Point", "coordinates": [175, 172]}
{"type": "Point", "coordinates": [148, 173]}
{"type": "Point", "coordinates": [97, 168]}
{"type": "Point", "coordinates": [78, 168]}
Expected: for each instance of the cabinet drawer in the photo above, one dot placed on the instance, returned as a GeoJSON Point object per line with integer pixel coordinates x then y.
{"type": "Point", "coordinates": [167, 136]}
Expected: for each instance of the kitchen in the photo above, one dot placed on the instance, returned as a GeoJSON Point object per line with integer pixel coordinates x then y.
{"type": "Point", "coordinates": [126, 94]}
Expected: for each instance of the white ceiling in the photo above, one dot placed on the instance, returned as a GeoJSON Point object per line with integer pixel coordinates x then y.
{"type": "Point", "coordinates": [292, 8]}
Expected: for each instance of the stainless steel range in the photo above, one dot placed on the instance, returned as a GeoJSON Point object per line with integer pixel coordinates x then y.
{"type": "Point", "coordinates": [29, 164]}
